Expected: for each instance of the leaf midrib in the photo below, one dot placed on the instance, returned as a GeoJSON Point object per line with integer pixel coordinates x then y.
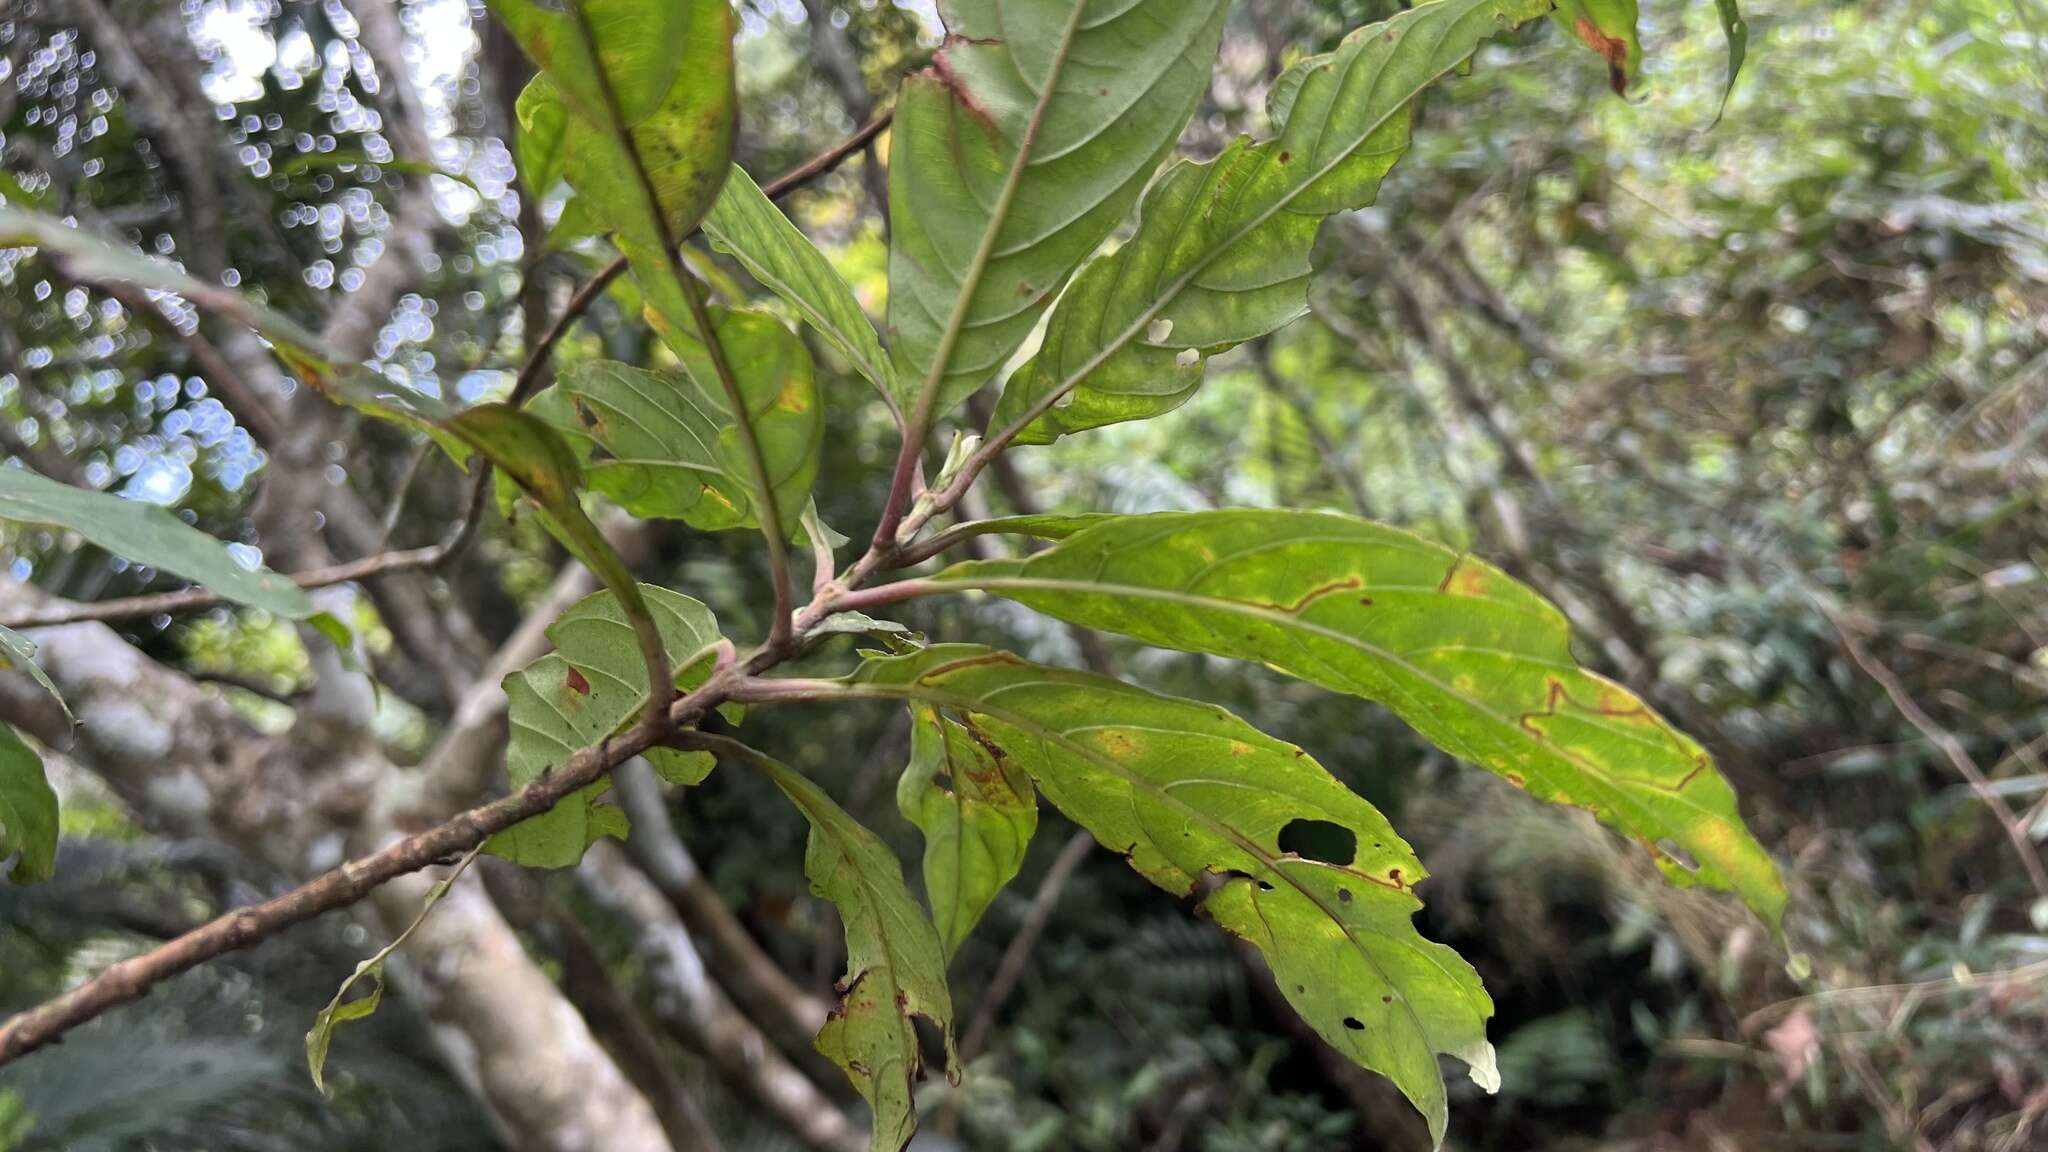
{"type": "Point", "coordinates": [921, 690]}
{"type": "Point", "coordinates": [999, 212]}
{"type": "Point", "coordinates": [1618, 789]}
{"type": "Point", "coordinates": [1180, 283]}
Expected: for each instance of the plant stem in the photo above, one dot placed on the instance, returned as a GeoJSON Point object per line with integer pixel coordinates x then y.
{"type": "Point", "coordinates": [920, 422]}
{"type": "Point", "coordinates": [766, 509]}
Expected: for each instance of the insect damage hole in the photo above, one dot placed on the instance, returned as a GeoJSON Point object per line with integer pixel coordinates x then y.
{"type": "Point", "coordinates": [1320, 840]}
{"type": "Point", "coordinates": [1676, 854]}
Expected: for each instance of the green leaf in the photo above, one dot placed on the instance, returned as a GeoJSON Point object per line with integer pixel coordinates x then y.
{"type": "Point", "coordinates": [535, 458]}
{"type": "Point", "coordinates": [895, 968]}
{"type": "Point", "coordinates": [86, 257]}
{"type": "Point", "coordinates": [1187, 791]}
{"type": "Point", "coordinates": [543, 134]}
{"type": "Point", "coordinates": [1736, 29]}
{"type": "Point", "coordinates": [150, 535]}
{"type": "Point", "coordinates": [647, 92]}
{"type": "Point", "coordinates": [28, 811]}
{"type": "Point", "coordinates": [748, 225]}
{"type": "Point", "coordinates": [18, 651]}
{"type": "Point", "coordinates": [1123, 79]}
{"type": "Point", "coordinates": [671, 446]}
{"type": "Point", "coordinates": [977, 812]}
{"type": "Point", "coordinates": [1608, 27]}
{"type": "Point", "coordinates": [321, 1036]}
{"type": "Point", "coordinates": [590, 687]}
{"type": "Point", "coordinates": [1479, 664]}
{"type": "Point", "coordinates": [1223, 249]}
{"type": "Point", "coordinates": [658, 432]}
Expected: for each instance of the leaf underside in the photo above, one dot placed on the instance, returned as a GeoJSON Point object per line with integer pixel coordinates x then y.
{"type": "Point", "coordinates": [895, 967]}
{"type": "Point", "coordinates": [748, 225]}
{"type": "Point", "coordinates": [977, 813]}
{"type": "Point", "coordinates": [1222, 252]}
{"type": "Point", "coordinates": [664, 444]}
{"type": "Point", "coordinates": [1125, 85]}
{"type": "Point", "coordinates": [591, 686]}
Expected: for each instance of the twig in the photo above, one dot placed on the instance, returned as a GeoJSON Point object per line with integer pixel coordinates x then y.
{"type": "Point", "coordinates": [1958, 756]}
{"type": "Point", "coordinates": [129, 979]}
{"type": "Point", "coordinates": [193, 598]}
{"type": "Point", "coordinates": [767, 509]}
{"type": "Point", "coordinates": [921, 413]}
{"type": "Point", "coordinates": [543, 349]}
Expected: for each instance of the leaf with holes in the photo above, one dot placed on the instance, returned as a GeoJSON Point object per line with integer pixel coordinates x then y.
{"type": "Point", "coordinates": [895, 968]}
{"type": "Point", "coordinates": [1223, 247]}
{"type": "Point", "coordinates": [977, 813]}
{"type": "Point", "coordinates": [1194, 797]}
{"type": "Point", "coordinates": [748, 225]}
{"type": "Point", "coordinates": [28, 811]}
{"type": "Point", "coordinates": [1017, 153]}
{"type": "Point", "coordinates": [150, 535]}
{"type": "Point", "coordinates": [590, 687]}
{"type": "Point", "coordinates": [1478, 663]}
{"type": "Point", "coordinates": [664, 444]}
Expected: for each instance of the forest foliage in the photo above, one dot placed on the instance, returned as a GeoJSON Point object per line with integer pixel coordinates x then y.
{"type": "Point", "coordinates": [1322, 337]}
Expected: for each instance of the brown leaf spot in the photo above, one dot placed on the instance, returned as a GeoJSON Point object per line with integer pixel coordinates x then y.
{"type": "Point", "coordinates": [794, 397]}
{"type": "Point", "coordinates": [1612, 49]}
{"type": "Point", "coordinates": [1295, 607]}
{"type": "Point", "coordinates": [1465, 579]}
{"type": "Point", "coordinates": [577, 683]}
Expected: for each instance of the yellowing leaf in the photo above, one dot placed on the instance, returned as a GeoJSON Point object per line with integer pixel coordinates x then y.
{"type": "Point", "coordinates": [1478, 663]}
{"type": "Point", "coordinates": [895, 968]}
{"type": "Point", "coordinates": [1188, 792]}
{"type": "Point", "coordinates": [977, 812]}
{"type": "Point", "coordinates": [648, 96]}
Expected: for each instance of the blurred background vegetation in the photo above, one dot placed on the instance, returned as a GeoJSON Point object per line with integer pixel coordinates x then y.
{"type": "Point", "coordinates": [1763, 402]}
